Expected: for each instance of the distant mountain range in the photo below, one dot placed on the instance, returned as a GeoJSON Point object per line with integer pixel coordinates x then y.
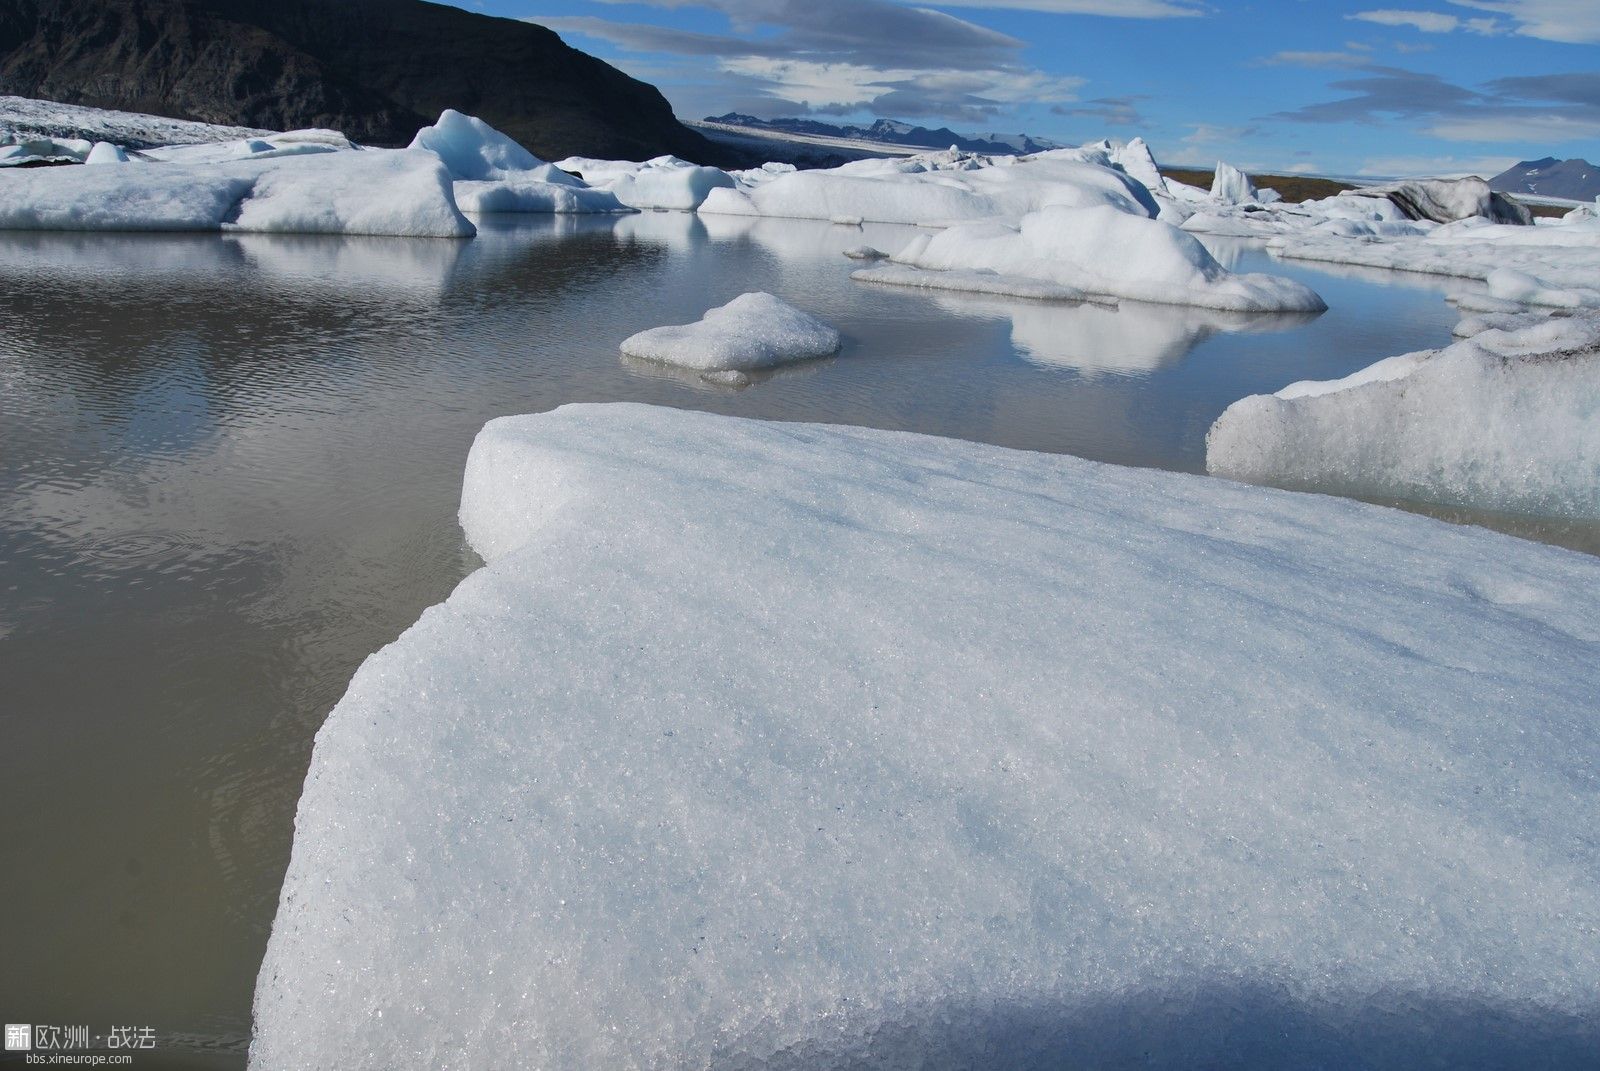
{"type": "Point", "coordinates": [375, 69]}
{"type": "Point", "coordinates": [892, 132]}
{"type": "Point", "coordinates": [1576, 180]}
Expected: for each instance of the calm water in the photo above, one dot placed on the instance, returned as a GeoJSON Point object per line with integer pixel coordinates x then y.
{"type": "Point", "coordinates": [229, 470]}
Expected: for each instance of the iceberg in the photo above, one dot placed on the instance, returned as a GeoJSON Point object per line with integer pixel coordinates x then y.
{"type": "Point", "coordinates": [665, 183]}
{"type": "Point", "coordinates": [472, 149]}
{"type": "Point", "coordinates": [1138, 161]}
{"type": "Point", "coordinates": [768, 745]}
{"type": "Point", "coordinates": [1105, 252]}
{"type": "Point", "coordinates": [493, 173]}
{"type": "Point", "coordinates": [1507, 419]}
{"type": "Point", "coordinates": [752, 331]}
{"type": "Point", "coordinates": [1230, 186]}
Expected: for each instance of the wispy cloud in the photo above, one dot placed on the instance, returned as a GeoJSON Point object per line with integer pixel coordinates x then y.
{"type": "Point", "coordinates": [838, 56]}
{"type": "Point", "coordinates": [1536, 109]}
{"type": "Point", "coordinates": [1569, 21]}
{"type": "Point", "coordinates": [1430, 21]}
{"type": "Point", "coordinates": [1125, 9]}
{"type": "Point", "coordinates": [1315, 59]}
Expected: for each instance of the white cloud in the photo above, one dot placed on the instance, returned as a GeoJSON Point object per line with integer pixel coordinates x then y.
{"type": "Point", "coordinates": [823, 85]}
{"type": "Point", "coordinates": [1426, 21]}
{"type": "Point", "coordinates": [1570, 21]}
{"type": "Point", "coordinates": [1430, 21]}
{"type": "Point", "coordinates": [1434, 166]}
{"type": "Point", "coordinates": [1522, 129]}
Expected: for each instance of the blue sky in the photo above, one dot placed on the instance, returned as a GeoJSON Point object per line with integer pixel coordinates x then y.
{"type": "Point", "coordinates": [1437, 86]}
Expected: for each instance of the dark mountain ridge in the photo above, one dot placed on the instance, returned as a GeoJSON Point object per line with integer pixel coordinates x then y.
{"type": "Point", "coordinates": [375, 69]}
{"type": "Point", "coordinates": [1575, 179]}
{"type": "Point", "coordinates": [893, 132]}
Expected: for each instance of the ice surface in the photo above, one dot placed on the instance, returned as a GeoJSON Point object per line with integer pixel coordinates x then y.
{"type": "Point", "coordinates": [1508, 419]}
{"type": "Point", "coordinates": [1509, 284]}
{"type": "Point", "coordinates": [378, 192]}
{"type": "Point", "coordinates": [784, 746]}
{"type": "Point", "coordinates": [941, 188]}
{"type": "Point", "coordinates": [1106, 252]}
{"type": "Point", "coordinates": [752, 331]}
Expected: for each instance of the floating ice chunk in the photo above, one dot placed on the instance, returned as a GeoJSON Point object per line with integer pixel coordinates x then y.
{"type": "Point", "coordinates": [865, 252]}
{"type": "Point", "coordinates": [1505, 420]}
{"type": "Point", "coordinates": [1110, 253]}
{"type": "Point", "coordinates": [764, 745]}
{"type": "Point", "coordinates": [374, 192]}
{"type": "Point", "coordinates": [472, 149]}
{"type": "Point", "coordinates": [1232, 186]}
{"type": "Point", "coordinates": [35, 150]}
{"type": "Point", "coordinates": [1562, 257]}
{"type": "Point", "coordinates": [106, 153]}
{"type": "Point", "coordinates": [753, 330]}
{"type": "Point", "coordinates": [533, 195]}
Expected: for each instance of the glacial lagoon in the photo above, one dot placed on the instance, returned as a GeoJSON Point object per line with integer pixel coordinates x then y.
{"type": "Point", "coordinates": [230, 468]}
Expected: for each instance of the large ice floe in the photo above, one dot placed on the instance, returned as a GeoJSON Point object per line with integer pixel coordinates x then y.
{"type": "Point", "coordinates": [753, 331]}
{"type": "Point", "coordinates": [940, 188]}
{"type": "Point", "coordinates": [1098, 251]}
{"type": "Point", "coordinates": [334, 192]}
{"type": "Point", "coordinates": [788, 746]}
{"type": "Point", "coordinates": [1507, 419]}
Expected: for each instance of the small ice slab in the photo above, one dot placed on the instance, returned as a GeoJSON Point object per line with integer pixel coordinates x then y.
{"type": "Point", "coordinates": [782, 746]}
{"type": "Point", "coordinates": [1507, 419]}
{"type": "Point", "coordinates": [973, 282]}
{"type": "Point", "coordinates": [752, 331]}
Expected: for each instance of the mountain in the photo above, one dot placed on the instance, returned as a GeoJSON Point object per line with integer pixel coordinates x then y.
{"type": "Point", "coordinates": [1576, 180]}
{"type": "Point", "coordinates": [892, 132]}
{"type": "Point", "coordinates": [375, 69]}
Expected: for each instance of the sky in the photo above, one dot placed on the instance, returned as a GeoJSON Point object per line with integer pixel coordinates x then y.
{"type": "Point", "coordinates": [1297, 86]}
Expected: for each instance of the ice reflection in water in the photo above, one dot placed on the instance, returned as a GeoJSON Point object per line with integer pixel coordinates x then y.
{"type": "Point", "coordinates": [229, 470]}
